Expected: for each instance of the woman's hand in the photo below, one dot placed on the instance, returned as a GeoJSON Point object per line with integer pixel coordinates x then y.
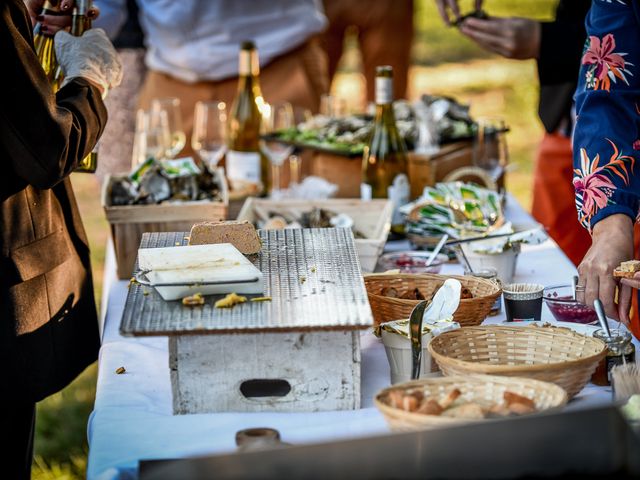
{"type": "Point", "coordinates": [611, 244]}
{"type": "Point", "coordinates": [513, 37]}
{"type": "Point", "coordinates": [625, 292]}
{"type": "Point", "coordinates": [53, 23]}
{"type": "Point", "coordinates": [446, 8]}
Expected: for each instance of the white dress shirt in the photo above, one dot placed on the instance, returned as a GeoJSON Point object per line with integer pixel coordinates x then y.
{"type": "Point", "coordinates": [195, 40]}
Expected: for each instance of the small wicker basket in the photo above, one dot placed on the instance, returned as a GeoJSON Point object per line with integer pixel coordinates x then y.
{"type": "Point", "coordinates": [547, 353]}
{"type": "Point", "coordinates": [471, 311]}
{"type": "Point", "coordinates": [485, 390]}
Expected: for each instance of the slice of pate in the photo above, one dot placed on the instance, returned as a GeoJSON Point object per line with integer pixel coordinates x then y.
{"type": "Point", "coordinates": [241, 235]}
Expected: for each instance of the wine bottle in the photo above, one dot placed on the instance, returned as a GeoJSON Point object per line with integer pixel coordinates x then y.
{"type": "Point", "coordinates": [384, 162]}
{"type": "Point", "coordinates": [44, 43]}
{"type": "Point", "coordinates": [80, 23]}
{"type": "Point", "coordinates": [247, 168]}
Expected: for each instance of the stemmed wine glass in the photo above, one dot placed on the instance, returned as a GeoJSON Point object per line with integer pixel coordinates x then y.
{"type": "Point", "coordinates": [490, 150]}
{"type": "Point", "coordinates": [208, 137]}
{"type": "Point", "coordinates": [276, 117]}
{"type": "Point", "coordinates": [177, 136]}
{"type": "Point", "coordinates": [151, 139]}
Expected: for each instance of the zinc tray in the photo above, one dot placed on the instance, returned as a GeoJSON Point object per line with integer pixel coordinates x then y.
{"type": "Point", "coordinates": [312, 275]}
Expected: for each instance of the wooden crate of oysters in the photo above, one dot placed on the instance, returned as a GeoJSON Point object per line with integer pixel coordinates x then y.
{"type": "Point", "coordinates": [168, 196]}
{"type": "Point", "coordinates": [369, 220]}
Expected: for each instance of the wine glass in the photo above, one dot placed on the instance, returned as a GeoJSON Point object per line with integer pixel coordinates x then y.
{"type": "Point", "coordinates": [151, 139]}
{"type": "Point", "coordinates": [276, 117]}
{"type": "Point", "coordinates": [177, 136]}
{"type": "Point", "coordinates": [208, 137]}
{"type": "Point", "coordinates": [332, 106]}
{"type": "Point", "coordinates": [490, 146]}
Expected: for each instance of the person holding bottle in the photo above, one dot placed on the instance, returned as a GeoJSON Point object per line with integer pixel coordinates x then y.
{"type": "Point", "coordinates": [48, 321]}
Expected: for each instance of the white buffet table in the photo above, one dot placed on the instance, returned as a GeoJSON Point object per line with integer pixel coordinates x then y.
{"type": "Point", "coordinates": [133, 420]}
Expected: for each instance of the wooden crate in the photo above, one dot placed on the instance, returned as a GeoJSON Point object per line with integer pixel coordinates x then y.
{"type": "Point", "coordinates": [129, 222]}
{"type": "Point", "coordinates": [346, 172]}
{"type": "Point", "coordinates": [372, 219]}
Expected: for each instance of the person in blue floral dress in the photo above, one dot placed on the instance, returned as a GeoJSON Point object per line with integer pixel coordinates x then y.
{"type": "Point", "coordinates": [606, 147]}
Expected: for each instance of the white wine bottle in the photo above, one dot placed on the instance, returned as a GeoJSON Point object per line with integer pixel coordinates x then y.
{"type": "Point", "coordinates": [80, 23]}
{"type": "Point", "coordinates": [44, 43]}
{"type": "Point", "coordinates": [247, 168]}
{"type": "Point", "coordinates": [384, 162]}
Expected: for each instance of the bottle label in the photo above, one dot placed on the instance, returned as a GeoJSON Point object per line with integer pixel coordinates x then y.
{"type": "Point", "coordinates": [384, 90]}
{"type": "Point", "coordinates": [243, 168]}
{"type": "Point", "coordinates": [365, 191]}
{"type": "Point", "coordinates": [249, 64]}
{"type": "Point", "coordinates": [398, 193]}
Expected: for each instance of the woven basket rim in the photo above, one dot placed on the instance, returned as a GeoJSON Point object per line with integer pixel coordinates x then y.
{"type": "Point", "coordinates": [431, 276]}
{"type": "Point", "coordinates": [421, 418]}
{"type": "Point", "coordinates": [488, 368]}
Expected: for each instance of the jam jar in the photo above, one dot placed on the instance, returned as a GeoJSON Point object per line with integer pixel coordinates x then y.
{"type": "Point", "coordinates": [492, 275]}
{"type": "Point", "coordinates": [619, 350]}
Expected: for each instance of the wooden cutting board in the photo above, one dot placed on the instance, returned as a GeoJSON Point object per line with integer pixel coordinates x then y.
{"type": "Point", "coordinates": [198, 264]}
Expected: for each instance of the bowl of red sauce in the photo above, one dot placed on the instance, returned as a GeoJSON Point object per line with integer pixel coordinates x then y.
{"type": "Point", "coordinates": [559, 299]}
{"type": "Point", "coordinates": [412, 262]}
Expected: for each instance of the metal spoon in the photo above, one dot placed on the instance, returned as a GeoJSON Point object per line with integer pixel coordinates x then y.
{"type": "Point", "coordinates": [415, 331]}
{"type": "Point", "coordinates": [436, 250]}
{"type": "Point", "coordinates": [602, 318]}
{"type": "Point", "coordinates": [575, 285]}
{"type": "Point", "coordinates": [466, 260]}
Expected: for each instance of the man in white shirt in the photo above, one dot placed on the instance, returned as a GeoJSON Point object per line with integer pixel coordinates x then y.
{"type": "Point", "coordinates": [193, 45]}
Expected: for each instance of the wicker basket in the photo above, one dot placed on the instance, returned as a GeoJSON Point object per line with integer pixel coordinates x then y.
{"type": "Point", "coordinates": [471, 311]}
{"type": "Point", "coordinates": [482, 389]}
{"type": "Point", "coordinates": [547, 353]}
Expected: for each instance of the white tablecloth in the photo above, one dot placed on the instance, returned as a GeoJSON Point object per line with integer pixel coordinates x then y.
{"type": "Point", "coordinates": [132, 417]}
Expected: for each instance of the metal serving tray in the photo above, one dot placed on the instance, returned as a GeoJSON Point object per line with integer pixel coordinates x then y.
{"type": "Point", "coordinates": [312, 275]}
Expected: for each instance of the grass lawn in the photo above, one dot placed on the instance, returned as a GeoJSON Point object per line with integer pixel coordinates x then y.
{"type": "Point", "coordinates": [445, 63]}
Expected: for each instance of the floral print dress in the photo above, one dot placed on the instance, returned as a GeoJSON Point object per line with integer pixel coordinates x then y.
{"type": "Point", "coordinates": [606, 143]}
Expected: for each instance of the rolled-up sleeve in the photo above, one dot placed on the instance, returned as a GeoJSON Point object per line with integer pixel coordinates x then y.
{"type": "Point", "coordinates": [606, 143]}
{"type": "Point", "coordinates": [43, 136]}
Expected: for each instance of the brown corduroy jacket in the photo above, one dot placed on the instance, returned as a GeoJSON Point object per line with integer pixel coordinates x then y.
{"type": "Point", "coordinates": [48, 322]}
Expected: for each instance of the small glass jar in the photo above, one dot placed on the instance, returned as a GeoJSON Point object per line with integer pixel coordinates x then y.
{"type": "Point", "coordinates": [492, 275]}
{"type": "Point", "coordinates": [620, 350]}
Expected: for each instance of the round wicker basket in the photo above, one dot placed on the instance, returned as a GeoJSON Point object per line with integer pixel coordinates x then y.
{"type": "Point", "coordinates": [547, 353]}
{"type": "Point", "coordinates": [485, 390]}
{"type": "Point", "coordinates": [471, 311]}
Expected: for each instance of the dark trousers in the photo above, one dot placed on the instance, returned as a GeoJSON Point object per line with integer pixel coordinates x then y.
{"type": "Point", "coordinates": [17, 424]}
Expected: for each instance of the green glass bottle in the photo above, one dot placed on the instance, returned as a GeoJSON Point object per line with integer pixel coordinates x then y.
{"type": "Point", "coordinates": [247, 168]}
{"type": "Point", "coordinates": [384, 162]}
{"type": "Point", "coordinates": [44, 43]}
{"type": "Point", "coordinates": [80, 23]}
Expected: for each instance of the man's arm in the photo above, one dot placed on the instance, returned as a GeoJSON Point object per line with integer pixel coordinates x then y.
{"type": "Point", "coordinates": [44, 135]}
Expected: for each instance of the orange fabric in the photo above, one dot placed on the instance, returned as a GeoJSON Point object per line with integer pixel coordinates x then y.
{"type": "Point", "coordinates": [553, 197]}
